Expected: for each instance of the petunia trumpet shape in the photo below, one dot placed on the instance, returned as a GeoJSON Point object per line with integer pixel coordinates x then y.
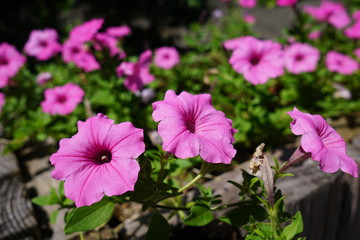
{"type": "Point", "coordinates": [257, 60]}
{"type": "Point", "coordinates": [189, 126]}
{"type": "Point", "coordinates": [340, 63]}
{"type": "Point", "coordinates": [301, 57]}
{"type": "Point", "coordinates": [62, 99]}
{"type": "Point", "coordinates": [10, 63]}
{"type": "Point", "coordinates": [322, 143]}
{"type": "Point", "coordinates": [99, 160]}
{"type": "Point", "coordinates": [166, 57]}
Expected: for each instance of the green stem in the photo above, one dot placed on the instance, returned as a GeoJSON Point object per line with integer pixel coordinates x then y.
{"type": "Point", "coordinates": [273, 221]}
{"type": "Point", "coordinates": [197, 178]}
{"type": "Point", "coordinates": [81, 235]}
{"type": "Point", "coordinates": [172, 208]}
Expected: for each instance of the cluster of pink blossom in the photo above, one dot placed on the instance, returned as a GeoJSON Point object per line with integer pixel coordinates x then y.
{"type": "Point", "coordinates": [10, 63]}
{"type": "Point", "coordinates": [101, 158]}
{"type": "Point", "coordinates": [260, 60]}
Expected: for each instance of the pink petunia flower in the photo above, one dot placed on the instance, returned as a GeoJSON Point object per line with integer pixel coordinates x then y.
{"type": "Point", "coordinates": [118, 32]}
{"type": "Point", "coordinates": [340, 63]}
{"type": "Point", "coordinates": [43, 44]}
{"type": "Point", "coordinates": [286, 3]}
{"type": "Point", "coordinates": [247, 3]}
{"type": "Point", "coordinates": [166, 57]}
{"type": "Point", "coordinates": [62, 99]}
{"type": "Point", "coordinates": [301, 57]}
{"type": "Point", "coordinates": [249, 18]}
{"type": "Point", "coordinates": [136, 74]}
{"type": "Point", "coordinates": [99, 160]}
{"type": "Point", "coordinates": [74, 51]}
{"type": "Point", "coordinates": [103, 40]}
{"type": "Point", "coordinates": [86, 31]}
{"type": "Point", "coordinates": [2, 101]}
{"type": "Point", "coordinates": [357, 53]}
{"type": "Point", "coordinates": [314, 35]}
{"type": "Point", "coordinates": [353, 32]}
{"type": "Point", "coordinates": [189, 126]}
{"type": "Point", "coordinates": [10, 63]}
{"type": "Point", "coordinates": [322, 143]}
{"type": "Point", "coordinates": [258, 60]}
{"type": "Point", "coordinates": [234, 43]}
{"type": "Point", "coordinates": [331, 12]}
{"type": "Point", "coordinates": [43, 78]}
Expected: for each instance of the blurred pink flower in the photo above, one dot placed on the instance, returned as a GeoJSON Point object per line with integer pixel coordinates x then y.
{"type": "Point", "coordinates": [331, 12]}
{"type": "Point", "coordinates": [62, 99]}
{"type": "Point", "coordinates": [247, 3]}
{"type": "Point", "coordinates": [353, 31]}
{"type": "Point", "coordinates": [340, 63]}
{"type": "Point", "coordinates": [74, 51]}
{"type": "Point", "coordinates": [43, 44]}
{"type": "Point", "coordinates": [322, 143]}
{"type": "Point", "coordinates": [100, 159]}
{"type": "Point", "coordinates": [136, 74]}
{"type": "Point", "coordinates": [301, 57]}
{"type": "Point", "coordinates": [10, 63]}
{"type": "Point", "coordinates": [2, 101]}
{"type": "Point", "coordinates": [249, 18]}
{"type": "Point", "coordinates": [119, 32]}
{"type": "Point", "coordinates": [341, 91]}
{"type": "Point", "coordinates": [103, 40]}
{"type": "Point", "coordinates": [314, 35]}
{"type": "Point", "coordinates": [86, 31]}
{"type": "Point", "coordinates": [357, 53]}
{"type": "Point", "coordinates": [43, 78]}
{"type": "Point", "coordinates": [189, 125]}
{"type": "Point", "coordinates": [234, 43]}
{"type": "Point", "coordinates": [285, 3]}
{"type": "Point", "coordinates": [166, 57]}
{"type": "Point", "coordinates": [258, 60]}
{"type": "Point", "coordinates": [356, 15]}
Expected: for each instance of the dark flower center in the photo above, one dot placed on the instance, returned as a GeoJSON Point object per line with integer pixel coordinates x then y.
{"type": "Point", "coordinates": [166, 56]}
{"type": "Point", "coordinates": [61, 98]}
{"type": "Point", "coordinates": [255, 59]}
{"type": "Point", "coordinates": [75, 50]}
{"type": "Point", "coordinates": [190, 125]}
{"type": "Point", "coordinates": [43, 44]}
{"type": "Point", "coordinates": [299, 57]}
{"type": "Point", "coordinates": [3, 61]}
{"type": "Point", "coordinates": [105, 156]}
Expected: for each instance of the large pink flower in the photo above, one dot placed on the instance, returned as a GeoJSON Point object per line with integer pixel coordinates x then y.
{"type": "Point", "coordinates": [119, 32]}
{"type": "Point", "coordinates": [2, 101]}
{"type": "Point", "coordinates": [166, 57]}
{"type": "Point", "coordinates": [43, 44]}
{"type": "Point", "coordinates": [285, 3]}
{"type": "Point", "coordinates": [86, 31]}
{"type": "Point", "coordinates": [353, 31]}
{"type": "Point", "coordinates": [136, 74]}
{"type": "Point", "coordinates": [258, 60]}
{"type": "Point", "coordinates": [99, 160]}
{"type": "Point", "coordinates": [322, 142]}
{"type": "Point", "coordinates": [301, 57]}
{"type": "Point", "coordinates": [190, 125]}
{"type": "Point", "coordinates": [340, 63]}
{"type": "Point", "coordinates": [62, 99]}
{"type": "Point", "coordinates": [247, 3]}
{"type": "Point", "coordinates": [74, 51]}
{"type": "Point", "coordinates": [331, 12]}
{"type": "Point", "coordinates": [10, 63]}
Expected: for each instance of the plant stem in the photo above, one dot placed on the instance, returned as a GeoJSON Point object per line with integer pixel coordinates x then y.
{"type": "Point", "coordinates": [197, 178]}
{"type": "Point", "coordinates": [81, 235]}
{"type": "Point", "coordinates": [172, 208]}
{"type": "Point", "coordinates": [273, 221]}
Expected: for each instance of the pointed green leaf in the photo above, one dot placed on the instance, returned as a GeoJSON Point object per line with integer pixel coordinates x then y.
{"type": "Point", "coordinates": [294, 228]}
{"type": "Point", "coordinates": [88, 217]}
{"type": "Point", "coordinates": [200, 215]}
{"type": "Point", "coordinates": [159, 228]}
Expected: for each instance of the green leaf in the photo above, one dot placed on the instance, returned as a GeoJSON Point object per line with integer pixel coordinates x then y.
{"type": "Point", "coordinates": [159, 228]}
{"type": "Point", "coordinates": [46, 200]}
{"type": "Point", "coordinates": [294, 228]}
{"type": "Point", "coordinates": [200, 215]}
{"type": "Point", "coordinates": [88, 217]}
{"type": "Point", "coordinates": [241, 215]}
{"type": "Point", "coordinates": [53, 216]}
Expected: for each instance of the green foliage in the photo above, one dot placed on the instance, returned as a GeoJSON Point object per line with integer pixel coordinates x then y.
{"type": "Point", "coordinates": [89, 217]}
{"type": "Point", "coordinates": [159, 228]}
